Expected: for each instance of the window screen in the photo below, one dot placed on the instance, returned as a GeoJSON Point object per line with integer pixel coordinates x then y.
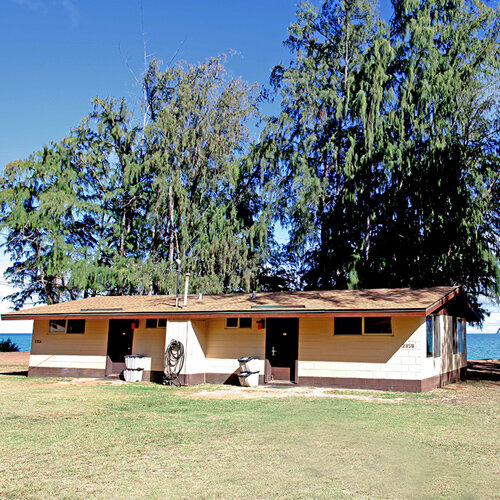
{"type": "Point", "coordinates": [57, 326]}
{"type": "Point", "coordinates": [429, 330]}
{"type": "Point", "coordinates": [347, 326]}
{"type": "Point", "coordinates": [460, 335]}
{"type": "Point", "coordinates": [454, 335]}
{"type": "Point", "coordinates": [151, 323]}
{"type": "Point", "coordinates": [245, 322]}
{"type": "Point", "coordinates": [76, 326]}
{"type": "Point", "coordinates": [231, 322]}
{"type": "Point", "coordinates": [437, 336]}
{"type": "Point", "coordinates": [378, 325]}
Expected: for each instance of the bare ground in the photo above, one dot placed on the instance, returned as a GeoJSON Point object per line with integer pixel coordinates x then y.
{"type": "Point", "coordinates": [14, 359]}
{"type": "Point", "coordinates": [486, 371]}
{"type": "Point", "coordinates": [263, 392]}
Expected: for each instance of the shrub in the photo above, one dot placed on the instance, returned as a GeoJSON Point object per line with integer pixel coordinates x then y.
{"type": "Point", "coordinates": [8, 346]}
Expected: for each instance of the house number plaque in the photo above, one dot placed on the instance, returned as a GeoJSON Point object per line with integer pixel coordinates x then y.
{"type": "Point", "coordinates": [409, 345]}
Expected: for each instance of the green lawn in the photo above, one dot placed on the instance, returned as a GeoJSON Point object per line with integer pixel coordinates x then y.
{"type": "Point", "coordinates": [150, 441]}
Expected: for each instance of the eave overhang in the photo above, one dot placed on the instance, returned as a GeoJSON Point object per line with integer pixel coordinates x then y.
{"type": "Point", "coordinates": [185, 314]}
{"type": "Point", "coordinates": [457, 294]}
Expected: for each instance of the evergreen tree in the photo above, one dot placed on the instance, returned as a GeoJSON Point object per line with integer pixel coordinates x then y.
{"type": "Point", "coordinates": [323, 147]}
{"type": "Point", "coordinates": [386, 148]}
{"type": "Point", "coordinates": [440, 214]}
{"type": "Point", "coordinates": [110, 209]}
{"type": "Point", "coordinates": [203, 206]}
{"type": "Point", "coordinates": [112, 183]}
{"type": "Point", "coordinates": [38, 206]}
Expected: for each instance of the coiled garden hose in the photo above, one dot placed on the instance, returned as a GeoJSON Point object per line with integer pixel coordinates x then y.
{"type": "Point", "coordinates": [174, 361]}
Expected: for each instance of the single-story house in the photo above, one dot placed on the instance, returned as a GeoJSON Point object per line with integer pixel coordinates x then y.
{"type": "Point", "coordinates": [389, 339]}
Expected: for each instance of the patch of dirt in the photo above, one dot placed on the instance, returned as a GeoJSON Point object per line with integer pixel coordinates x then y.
{"type": "Point", "coordinates": [91, 381]}
{"type": "Point", "coordinates": [236, 392]}
{"type": "Point", "coordinates": [14, 359]}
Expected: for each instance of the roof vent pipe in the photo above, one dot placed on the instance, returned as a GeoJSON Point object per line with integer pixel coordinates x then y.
{"type": "Point", "coordinates": [254, 295]}
{"type": "Point", "coordinates": [178, 279]}
{"type": "Point", "coordinates": [200, 296]}
{"type": "Point", "coordinates": [186, 287]}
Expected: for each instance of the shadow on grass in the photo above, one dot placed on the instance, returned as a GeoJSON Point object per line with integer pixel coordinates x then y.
{"type": "Point", "coordinates": [19, 373]}
{"type": "Point", "coordinates": [484, 369]}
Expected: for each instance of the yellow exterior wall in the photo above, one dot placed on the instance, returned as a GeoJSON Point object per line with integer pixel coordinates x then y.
{"type": "Point", "coordinates": [323, 354]}
{"type": "Point", "coordinates": [62, 350]}
{"type": "Point", "coordinates": [151, 343]}
{"type": "Point", "coordinates": [213, 348]}
{"type": "Point", "coordinates": [396, 356]}
{"type": "Point", "coordinates": [224, 346]}
{"type": "Point", "coordinates": [89, 350]}
{"type": "Point", "coordinates": [317, 341]}
{"type": "Point", "coordinates": [449, 361]}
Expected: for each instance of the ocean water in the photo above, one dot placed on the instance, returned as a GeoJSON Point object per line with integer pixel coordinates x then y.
{"type": "Point", "coordinates": [479, 345]}
{"type": "Point", "coordinates": [22, 340]}
{"type": "Point", "coordinates": [483, 346]}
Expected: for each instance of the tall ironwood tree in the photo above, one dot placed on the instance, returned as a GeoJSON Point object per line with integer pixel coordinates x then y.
{"type": "Point", "coordinates": [441, 219]}
{"type": "Point", "coordinates": [323, 149]}
{"type": "Point", "coordinates": [203, 206]}
{"type": "Point", "coordinates": [386, 148]}
{"type": "Point", "coordinates": [110, 208]}
{"type": "Point", "coordinates": [38, 202]}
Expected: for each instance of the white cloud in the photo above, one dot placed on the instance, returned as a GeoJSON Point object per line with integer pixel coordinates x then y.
{"type": "Point", "coordinates": [491, 324]}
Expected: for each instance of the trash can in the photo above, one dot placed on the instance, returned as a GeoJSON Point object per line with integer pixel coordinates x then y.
{"type": "Point", "coordinates": [249, 363]}
{"type": "Point", "coordinates": [249, 379]}
{"type": "Point", "coordinates": [133, 374]}
{"type": "Point", "coordinates": [134, 361]}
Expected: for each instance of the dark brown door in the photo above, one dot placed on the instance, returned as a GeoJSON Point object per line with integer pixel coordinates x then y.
{"type": "Point", "coordinates": [120, 339]}
{"type": "Point", "coordinates": [282, 346]}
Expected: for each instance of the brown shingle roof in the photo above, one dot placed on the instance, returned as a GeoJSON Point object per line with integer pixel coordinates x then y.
{"type": "Point", "coordinates": [329, 301]}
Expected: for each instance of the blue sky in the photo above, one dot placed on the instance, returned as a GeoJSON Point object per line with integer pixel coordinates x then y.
{"type": "Point", "coordinates": [56, 55]}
